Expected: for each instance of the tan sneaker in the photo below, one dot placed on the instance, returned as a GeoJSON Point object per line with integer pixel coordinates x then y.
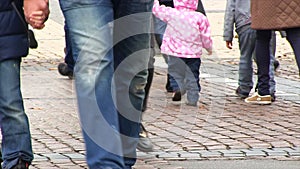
{"type": "Point", "coordinates": [257, 99]}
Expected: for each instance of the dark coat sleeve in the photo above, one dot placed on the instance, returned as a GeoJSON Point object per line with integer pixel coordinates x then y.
{"type": "Point", "coordinates": [200, 8]}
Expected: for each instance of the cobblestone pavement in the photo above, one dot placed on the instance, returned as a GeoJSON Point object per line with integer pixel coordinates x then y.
{"type": "Point", "coordinates": [222, 127]}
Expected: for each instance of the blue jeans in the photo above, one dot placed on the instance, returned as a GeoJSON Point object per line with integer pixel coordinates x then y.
{"type": "Point", "coordinates": [159, 29]}
{"type": "Point", "coordinates": [69, 60]}
{"type": "Point", "coordinates": [247, 40]}
{"type": "Point", "coordinates": [246, 46]}
{"type": "Point", "coordinates": [185, 73]}
{"type": "Point", "coordinates": [16, 139]}
{"type": "Point", "coordinates": [112, 51]}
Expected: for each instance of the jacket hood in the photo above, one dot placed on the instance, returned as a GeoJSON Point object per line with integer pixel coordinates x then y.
{"type": "Point", "coordinates": [188, 4]}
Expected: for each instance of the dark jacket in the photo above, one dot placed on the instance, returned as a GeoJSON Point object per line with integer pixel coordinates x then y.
{"type": "Point", "coordinates": [167, 3]}
{"type": "Point", "coordinates": [13, 33]}
{"type": "Point", "coordinates": [170, 3]}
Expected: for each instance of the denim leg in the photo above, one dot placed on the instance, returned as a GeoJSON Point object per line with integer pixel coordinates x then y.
{"type": "Point", "coordinates": [293, 36]}
{"type": "Point", "coordinates": [176, 70]}
{"type": "Point", "coordinates": [149, 79]}
{"type": "Point", "coordinates": [69, 60]}
{"type": "Point", "coordinates": [131, 56]}
{"type": "Point", "coordinates": [16, 139]}
{"type": "Point", "coordinates": [192, 84]}
{"type": "Point", "coordinates": [90, 27]}
{"type": "Point", "coordinates": [272, 82]}
{"type": "Point", "coordinates": [159, 28]}
{"type": "Point", "coordinates": [262, 48]}
{"type": "Point", "coordinates": [247, 46]}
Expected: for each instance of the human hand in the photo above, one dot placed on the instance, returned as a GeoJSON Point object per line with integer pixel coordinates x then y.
{"type": "Point", "coordinates": [229, 44]}
{"type": "Point", "coordinates": [36, 12]}
{"type": "Point", "coordinates": [209, 51]}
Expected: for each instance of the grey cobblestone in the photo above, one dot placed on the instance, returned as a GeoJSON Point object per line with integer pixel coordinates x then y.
{"type": "Point", "coordinates": [209, 154]}
{"type": "Point", "coordinates": [276, 152]}
{"type": "Point", "coordinates": [55, 156]}
{"type": "Point", "coordinates": [255, 152]}
{"type": "Point", "coordinates": [232, 153]}
{"type": "Point", "coordinates": [74, 156]}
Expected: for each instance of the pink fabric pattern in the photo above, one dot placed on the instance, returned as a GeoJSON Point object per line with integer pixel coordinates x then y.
{"type": "Point", "coordinates": [187, 31]}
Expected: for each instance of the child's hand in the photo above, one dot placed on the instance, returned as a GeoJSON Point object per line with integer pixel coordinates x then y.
{"type": "Point", "coordinates": [229, 44]}
{"type": "Point", "coordinates": [209, 51]}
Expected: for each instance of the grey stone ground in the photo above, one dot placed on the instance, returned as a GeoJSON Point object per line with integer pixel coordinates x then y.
{"type": "Point", "coordinates": [222, 132]}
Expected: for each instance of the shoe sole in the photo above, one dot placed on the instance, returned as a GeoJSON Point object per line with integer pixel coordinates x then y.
{"type": "Point", "coordinates": [260, 102]}
{"type": "Point", "coordinates": [177, 103]}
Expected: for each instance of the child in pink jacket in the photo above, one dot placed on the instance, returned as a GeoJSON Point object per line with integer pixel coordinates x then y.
{"type": "Point", "coordinates": [186, 34]}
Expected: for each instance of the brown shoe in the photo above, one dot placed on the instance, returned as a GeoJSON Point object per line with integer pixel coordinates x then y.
{"type": "Point", "coordinates": [257, 99]}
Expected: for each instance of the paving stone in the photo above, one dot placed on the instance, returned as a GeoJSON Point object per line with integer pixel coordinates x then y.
{"type": "Point", "coordinates": [55, 156]}
{"type": "Point", "coordinates": [208, 154]}
{"type": "Point", "coordinates": [189, 155]}
{"type": "Point", "coordinates": [74, 156]}
{"type": "Point", "coordinates": [39, 158]}
{"type": "Point", "coordinates": [294, 153]}
{"type": "Point", "coordinates": [275, 152]}
{"type": "Point", "coordinates": [255, 152]}
{"type": "Point", "coordinates": [232, 153]}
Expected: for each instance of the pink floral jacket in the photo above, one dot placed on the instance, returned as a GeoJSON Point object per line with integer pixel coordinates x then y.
{"type": "Point", "coordinates": [187, 31]}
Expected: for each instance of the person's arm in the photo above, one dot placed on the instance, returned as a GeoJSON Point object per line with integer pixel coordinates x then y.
{"type": "Point", "coordinates": [229, 23]}
{"type": "Point", "coordinates": [162, 12]}
{"type": "Point", "coordinates": [205, 32]}
{"type": "Point", "coordinates": [36, 12]}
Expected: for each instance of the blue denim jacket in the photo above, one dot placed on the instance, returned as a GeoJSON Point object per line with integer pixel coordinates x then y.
{"type": "Point", "coordinates": [237, 15]}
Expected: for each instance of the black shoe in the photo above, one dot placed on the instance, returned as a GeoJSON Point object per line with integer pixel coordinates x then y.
{"type": "Point", "coordinates": [276, 64]}
{"type": "Point", "coordinates": [144, 143]}
{"type": "Point", "coordinates": [241, 94]}
{"type": "Point", "coordinates": [21, 165]}
{"type": "Point", "coordinates": [64, 70]}
{"type": "Point", "coordinates": [177, 96]}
